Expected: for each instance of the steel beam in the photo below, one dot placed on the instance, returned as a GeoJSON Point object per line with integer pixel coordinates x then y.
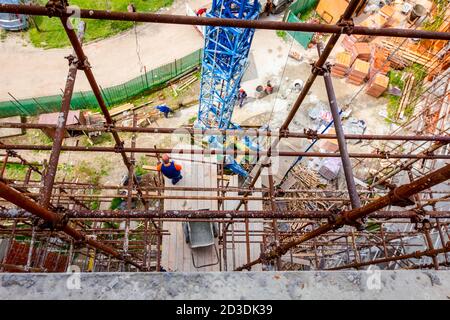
{"type": "Point", "coordinates": [57, 221]}
{"type": "Point", "coordinates": [227, 152]}
{"type": "Point", "coordinates": [60, 130]}
{"type": "Point", "coordinates": [346, 162]}
{"type": "Point", "coordinates": [193, 214]}
{"type": "Point", "coordinates": [229, 132]}
{"type": "Point", "coordinates": [396, 197]}
{"type": "Point", "coordinates": [343, 27]}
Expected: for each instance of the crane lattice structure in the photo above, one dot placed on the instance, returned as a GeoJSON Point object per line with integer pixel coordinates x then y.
{"type": "Point", "coordinates": [225, 58]}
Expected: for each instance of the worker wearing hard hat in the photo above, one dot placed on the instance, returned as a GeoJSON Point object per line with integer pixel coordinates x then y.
{"type": "Point", "coordinates": [170, 169]}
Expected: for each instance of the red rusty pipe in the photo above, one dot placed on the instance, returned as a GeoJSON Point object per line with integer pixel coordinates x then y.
{"type": "Point", "coordinates": [229, 132]}
{"type": "Point", "coordinates": [221, 22]}
{"type": "Point", "coordinates": [20, 200]}
{"type": "Point", "coordinates": [396, 196]}
{"type": "Point", "coordinates": [231, 152]}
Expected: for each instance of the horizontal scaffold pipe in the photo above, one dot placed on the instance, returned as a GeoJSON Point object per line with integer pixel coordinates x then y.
{"type": "Point", "coordinates": [228, 132]}
{"type": "Point", "coordinates": [413, 255]}
{"type": "Point", "coordinates": [15, 197]}
{"type": "Point", "coordinates": [220, 22]}
{"type": "Point", "coordinates": [156, 214]}
{"type": "Point", "coordinates": [396, 196]}
{"type": "Point", "coordinates": [227, 152]}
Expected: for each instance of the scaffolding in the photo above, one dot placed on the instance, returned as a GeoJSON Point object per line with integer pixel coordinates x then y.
{"type": "Point", "coordinates": [397, 219]}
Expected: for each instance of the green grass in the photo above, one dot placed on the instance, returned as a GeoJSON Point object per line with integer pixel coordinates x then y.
{"type": "Point", "coordinates": [139, 170]}
{"type": "Point", "coordinates": [2, 35]}
{"type": "Point", "coordinates": [395, 79]}
{"type": "Point", "coordinates": [86, 172]}
{"type": "Point", "coordinates": [436, 22]}
{"type": "Point", "coordinates": [418, 71]}
{"type": "Point", "coordinates": [308, 14]}
{"type": "Point", "coordinates": [282, 34]}
{"type": "Point", "coordinates": [52, 34]}
{"type": "Point", "coordinates": [16, 171]}
{"type": "Point", "coordinates": [115, 203]}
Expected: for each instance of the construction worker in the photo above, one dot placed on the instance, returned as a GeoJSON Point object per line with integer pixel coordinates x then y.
{"type": "Point", "coordinates": [268, 7]}
{"type": "Point", "coordinates": [241, 97]}
{"type": "Point", "coordinates": [170, 169]}
{"type": "Point", "coordinates": [200, 12]}
{"type": "Point", "coordinates": [164, 109]}
{"type": "Point", "coordinates": [131, 7]}
{"type": "Point", "coordinates": [269, 88]}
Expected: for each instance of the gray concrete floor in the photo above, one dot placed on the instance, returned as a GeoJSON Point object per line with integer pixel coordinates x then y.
{"type": "Point", "coordinates": [355, 285]}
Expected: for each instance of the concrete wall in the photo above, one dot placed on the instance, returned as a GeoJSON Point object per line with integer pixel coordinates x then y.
{"type": "Point", "coordinates": [237, 285]}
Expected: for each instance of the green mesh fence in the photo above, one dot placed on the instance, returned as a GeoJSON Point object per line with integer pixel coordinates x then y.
{"type": "Point", "coordinates": [301, 6]}
{"type": "Point", "coordinates": [152, 79]}
{"type": "Point", "coordinates": [304, 38]}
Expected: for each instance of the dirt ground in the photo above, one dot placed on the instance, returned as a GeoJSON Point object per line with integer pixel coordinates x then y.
{"type": "Point", "coordinates": [269, 60]}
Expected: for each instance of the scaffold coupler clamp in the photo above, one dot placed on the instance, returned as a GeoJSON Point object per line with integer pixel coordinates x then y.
{"type": "Point", "coordinates": [118, 148]}
{"type": "Point", "coordinates": [426, 224]}
{"type": "Point", "coordinates": [83, 65]}
{"type": "Point", "coordinates": [418, 217]}
{"type": "Point", "coordinates": [319, 71]}
{"type": "Point", "coordinates": [311, 134]}
{"type": "Point", "coordinates": [398, 200]}
{"type": "Point", "coordinates": [358, 223]}
{"type": "Point", "coordinates": [56, 7]}
{"type": "Point", "coordinates": [61, 223]}
{"type": "Point", "coordinates": [347, 26]}
{"type": "Point", "coordinates": [385, 154]}
{"type": "Point", "coordinates": [284, 133]}
{"type": "Point", "coordinates": [109, 127]}
{"type": "Point", "coordinates": [71, 58]}
{"type": "Point", "coordinates": [11, 153]}
{"type": "Point", "coordinates": [333, 217]}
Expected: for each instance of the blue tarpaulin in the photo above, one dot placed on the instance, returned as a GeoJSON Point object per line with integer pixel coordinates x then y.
{"type": "Point", "coordinates": [12, 21]}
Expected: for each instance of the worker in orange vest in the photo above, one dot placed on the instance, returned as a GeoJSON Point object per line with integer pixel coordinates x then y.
{"type": "Point", "coordinates": [170, 169]}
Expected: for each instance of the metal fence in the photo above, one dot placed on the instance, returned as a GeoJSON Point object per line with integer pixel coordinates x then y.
{"type": "Point", "coordinates": [148, 81]}
{"type": "Point", "coordinates": [301, 6]}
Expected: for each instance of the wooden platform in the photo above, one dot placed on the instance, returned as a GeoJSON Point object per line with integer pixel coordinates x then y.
{"type": "Point", "coordinates": [176, 254]}
{"type": "Point", "coordinates": [236, 236]}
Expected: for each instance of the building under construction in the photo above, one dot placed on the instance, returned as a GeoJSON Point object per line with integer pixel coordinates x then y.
{"type": "Point", "coordinates": [260, 199]}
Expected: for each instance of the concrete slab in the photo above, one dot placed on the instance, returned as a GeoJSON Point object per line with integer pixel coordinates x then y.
{"type": "Point", "coordinates": [356, 285]}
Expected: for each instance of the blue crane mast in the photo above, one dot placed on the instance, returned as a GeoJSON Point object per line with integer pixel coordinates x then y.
{"type": "Point", "coordinates": [225, 58]}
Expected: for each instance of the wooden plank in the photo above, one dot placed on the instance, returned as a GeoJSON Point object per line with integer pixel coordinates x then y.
{"type": "Point", "coordinates": [194, 174]}
{"type": "Point", "coordinates": [149, 168]}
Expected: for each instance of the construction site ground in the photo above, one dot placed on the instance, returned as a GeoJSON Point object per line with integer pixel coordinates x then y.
{"type": "Point", "coordinates": [269, 60]}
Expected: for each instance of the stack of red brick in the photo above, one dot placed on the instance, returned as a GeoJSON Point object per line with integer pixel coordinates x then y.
{"type": "Point", "coordinates": [379, 62]}
{"type": "Point", "coordinates": [377, 85]}
{"type": "Point", "coordinates": [341, 65]}
{"type": "Point", "coordinates": [358, 72]}
{"type": "Point", "coordinates": [361, 51]}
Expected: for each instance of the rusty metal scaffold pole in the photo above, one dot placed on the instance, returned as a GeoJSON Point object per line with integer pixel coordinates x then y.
{"type": "Point", "coordinates": [396, 197]}
{"type": "Point", "coordinates": [344, 26]}
{"type": "Point", "coordinates": [60, 130]}
{"type": "Point", "coordinates": [57, 221]}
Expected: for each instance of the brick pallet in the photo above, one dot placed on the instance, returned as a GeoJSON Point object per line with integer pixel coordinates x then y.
{"type": "Point", "coordinates": [342, 65]}
{"type": "Point", "coordinates": [379, 62]}
{"type": "Point", "coordinates": [358, 72]}
{"type": "Point", "coordinates": [377, 85]}
{"type": "Point", "coordinates": [362, 51]}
